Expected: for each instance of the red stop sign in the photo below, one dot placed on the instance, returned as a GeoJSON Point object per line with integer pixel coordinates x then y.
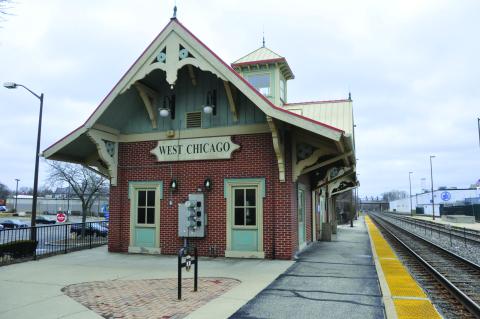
{"type": "Point", "coordinates": [61, 217]}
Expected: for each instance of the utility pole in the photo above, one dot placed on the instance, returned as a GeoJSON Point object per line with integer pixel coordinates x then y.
{"type": "Point", "coordinates": [431, 180]}
{"type": "Point", "coordinates": [16, 194]}
{"type": "Point", "coordinates": [410, 182]}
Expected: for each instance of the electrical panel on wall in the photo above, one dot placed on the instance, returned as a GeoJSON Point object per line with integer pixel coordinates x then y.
{"type": "Point", "coordinates": [191, 216]}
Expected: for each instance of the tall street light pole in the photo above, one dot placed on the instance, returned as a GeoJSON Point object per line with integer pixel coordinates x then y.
{"type": "Point", "coordinates": [410, 182]}
{"type": "Point", "coordinates": [16, 194]}
{"type": "Point", "coordinates": [13, 85]}
{"type": "Point", "coordinates": [431, 180]}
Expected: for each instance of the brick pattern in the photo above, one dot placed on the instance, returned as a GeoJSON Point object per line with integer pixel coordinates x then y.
{"type": "Point", "coordinates": [255, 158]}
{"type": "Point", "coordinates": [148, 298]}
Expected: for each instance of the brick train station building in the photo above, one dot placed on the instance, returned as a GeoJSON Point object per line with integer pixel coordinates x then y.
{"type": "Point", "coordinates": [201, 150]}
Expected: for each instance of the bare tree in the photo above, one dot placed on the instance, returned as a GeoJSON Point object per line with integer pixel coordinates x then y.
{"type": "Point", "coordinates": [5, 5]}
{"type": "Point", "coordinates": [4, 191]}
{"type": "Point", "coordinates": [394, 195]}
{"type": "Point", "coordinates": [84, 182]}
{"type": "Point", "coordinates": [25, 190]}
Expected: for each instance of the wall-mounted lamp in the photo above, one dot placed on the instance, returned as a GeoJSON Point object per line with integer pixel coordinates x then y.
{"type": "Point", "coordinates": [211, 106]}
{"type": "Point", "coordinates": [173, 185]}
{"type": "Point", "coordinates": [168, 108]}
{"type": "Point", "coordinates": [208, 184]}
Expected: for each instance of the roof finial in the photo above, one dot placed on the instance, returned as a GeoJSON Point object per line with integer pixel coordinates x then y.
{"type": "Point", "coordinates": [175, 11]}
{"type": "Point", "coordinates": [349, 96]}
{"type": "Point", "coordinates": [263, 36]}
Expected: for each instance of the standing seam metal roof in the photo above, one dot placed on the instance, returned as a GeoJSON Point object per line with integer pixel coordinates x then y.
{"type": "Point", "coordinates": [335, 113]}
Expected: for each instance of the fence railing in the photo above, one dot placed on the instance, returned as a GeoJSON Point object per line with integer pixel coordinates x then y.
{"type": "Point", "coordinates": [27, 243]}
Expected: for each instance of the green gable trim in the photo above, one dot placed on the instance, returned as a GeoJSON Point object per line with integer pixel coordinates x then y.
{"type": "Point", "coordinates": [145, 184]}
{"type": "Point", "coordinates": [232, 181]}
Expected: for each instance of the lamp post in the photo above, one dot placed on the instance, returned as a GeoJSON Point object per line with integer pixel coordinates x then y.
{"type": "Point", "coordinates": [16, 194]}
{"type": "Point", "coordinates": [410, 182]}
{"type": "Point", "coordinates": [431, 180]}
{"type": "Point", "coordinates": [13, 85]}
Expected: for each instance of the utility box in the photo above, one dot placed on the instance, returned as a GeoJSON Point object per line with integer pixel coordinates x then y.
{"type": "Point", "coordinates": [191, 216]}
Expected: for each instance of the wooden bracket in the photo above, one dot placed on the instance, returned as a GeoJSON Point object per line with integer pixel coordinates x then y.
{"type": "Point", "coordinates": [231, 101]}
{"type": "Point", "coordinates": [148, 96]}
{"type": "Point", "coordinates": [278, 148]}
{"type": "Point", "coordinates": [327, 162]}
{"type": "Point", "coordinates": [191, 72]}
{"type": "Point", "coordinates": [107, 147]}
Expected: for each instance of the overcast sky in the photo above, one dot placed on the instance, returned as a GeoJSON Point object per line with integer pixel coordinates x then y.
{"type": "Point", "coordinates": [413, 68]}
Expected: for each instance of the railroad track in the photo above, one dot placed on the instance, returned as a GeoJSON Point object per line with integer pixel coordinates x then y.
{"type": "Point", "coordinates": [464, 234]}
{"type": "Point", "coordinates": [452, 282]}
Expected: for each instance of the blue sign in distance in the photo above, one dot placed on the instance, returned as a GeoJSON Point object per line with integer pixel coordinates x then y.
{"type": "Point", "coordinates": [445, 196]}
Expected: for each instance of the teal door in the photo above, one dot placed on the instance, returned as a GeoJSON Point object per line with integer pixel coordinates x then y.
{"type": "Point", "coordinates": [244, 221]}
{"type": "Point", "coordinates": [145, 231]}
{"type": "Point", "coordinates": [301, 217]}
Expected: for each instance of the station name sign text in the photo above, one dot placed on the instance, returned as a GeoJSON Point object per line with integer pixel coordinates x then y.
{"type": "Point", "coordinates": [194, 149]}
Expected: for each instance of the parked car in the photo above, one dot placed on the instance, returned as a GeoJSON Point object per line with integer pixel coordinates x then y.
{"type": "Point", "coordinates": [3, 208]}
{"type": "Point", "coordinates": [44, 220]}
{"type": "Point", "coordinates": [1, 227]}
{"type": "Point", "coordinates": [94, 229]}
{"type": "Point", "coordinates": [13, 223]}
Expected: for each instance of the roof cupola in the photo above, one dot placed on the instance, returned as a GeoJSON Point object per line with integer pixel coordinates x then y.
{"type": "Point", "coordinates": [267, 71]}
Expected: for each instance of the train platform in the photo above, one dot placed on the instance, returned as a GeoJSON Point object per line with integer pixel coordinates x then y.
{"type": "Point", "coordinates": [402, 296]}
{"type": "Point", "coordinates": [332, 280]}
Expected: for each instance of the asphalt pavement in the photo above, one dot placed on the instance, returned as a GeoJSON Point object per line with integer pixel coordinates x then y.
{"type": "Point", "coordinates": [334, 279]}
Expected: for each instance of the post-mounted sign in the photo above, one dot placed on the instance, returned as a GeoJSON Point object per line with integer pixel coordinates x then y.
{"type": "Point", "coordinates": [194, 149]}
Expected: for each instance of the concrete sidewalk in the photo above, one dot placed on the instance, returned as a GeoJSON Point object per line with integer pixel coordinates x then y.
{"type": "Point", "coordinates": [334, 279]}
{"type": "Point", "coordinates": [33, 289]}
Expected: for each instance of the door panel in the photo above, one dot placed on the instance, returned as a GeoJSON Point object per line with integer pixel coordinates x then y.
{"type": "Point", "coordinates": [144, 237]}
{"type": "Point", "coordinates": [245, 240]}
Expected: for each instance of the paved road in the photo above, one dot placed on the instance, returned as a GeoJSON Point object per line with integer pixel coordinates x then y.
{"type": "Point", "coordinates": [330, 280]}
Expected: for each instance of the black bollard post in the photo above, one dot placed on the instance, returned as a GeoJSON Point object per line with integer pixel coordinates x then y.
{"type": "Point", "coordinates": [195, 276]}
{"type": "Point", "coordinates": [180, 254]}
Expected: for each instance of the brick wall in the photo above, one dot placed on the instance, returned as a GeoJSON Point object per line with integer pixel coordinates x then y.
{"type": "Point", "coordinates": [255, 158]}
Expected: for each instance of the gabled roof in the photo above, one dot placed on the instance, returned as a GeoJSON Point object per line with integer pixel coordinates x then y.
{"type": "Point", "coordinates": [264, 55]}
{"type": "Point", "coordinates": [176, 29]}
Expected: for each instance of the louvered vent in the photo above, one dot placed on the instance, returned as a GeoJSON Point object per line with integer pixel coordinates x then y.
{"type": "Point", "coordinates": [194, 119]}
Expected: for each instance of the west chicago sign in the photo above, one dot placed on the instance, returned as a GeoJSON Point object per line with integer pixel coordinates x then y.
{"type": "Point", "coordinates": [194, 149]}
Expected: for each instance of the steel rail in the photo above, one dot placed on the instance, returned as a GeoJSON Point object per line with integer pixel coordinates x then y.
{"type": "Point", "coordinates": [455, 231]}
{"type": "Point", "coordinates": [465, 300]}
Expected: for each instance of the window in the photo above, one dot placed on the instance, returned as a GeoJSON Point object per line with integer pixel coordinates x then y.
{"type": "Point", "coordinates": [245, 206]}
{"type": "Point", "coordinates": [282, 90]}
{"type": "Point", "coordinates": [261, 82]}
{"type": "Point", "coordinates": [146, 207]}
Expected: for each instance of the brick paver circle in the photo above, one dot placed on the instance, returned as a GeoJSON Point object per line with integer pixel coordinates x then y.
{"type": "Point", "coordinates": [147, 298]}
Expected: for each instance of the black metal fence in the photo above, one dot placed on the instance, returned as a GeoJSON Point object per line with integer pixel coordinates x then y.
{"type": "Point", "coordinates": [469, 210]}
{"type": "Point", "coordinates": [27, 243]}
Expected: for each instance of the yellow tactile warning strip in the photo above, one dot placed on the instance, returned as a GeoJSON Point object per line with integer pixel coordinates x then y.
{"type": "Point", "coordinates": [408, 298]}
